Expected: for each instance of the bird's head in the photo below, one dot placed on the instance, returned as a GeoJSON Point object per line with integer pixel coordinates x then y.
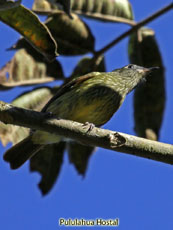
{"type": "Point", "coordinates": [131, 75]}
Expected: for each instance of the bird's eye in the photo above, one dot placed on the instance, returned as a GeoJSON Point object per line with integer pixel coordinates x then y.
{"type": "Point", "coordinates": [130, 66]}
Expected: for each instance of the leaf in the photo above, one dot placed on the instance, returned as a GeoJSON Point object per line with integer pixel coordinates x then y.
{"type": "Point", "coordinates": [64, 4]}
{"type": "Point", "coordinates": [43, 6]}
{"type": "Point", "coordinates": [48, 162]}
{"type": "Point", "coordinates": [53, 68]}
{"type": "Point", "coordinates": [149, 98]}
{"type": "Point", "coordinates": [79, 156]}
{"type": "Point", "coordinates": [87, 65]}
{"type": "Point", "coordinates": [73, 36]}
{"type": "Point", "coordinates": [23, 69]}
{"type": "Point", "coordinates": [27, 23]}
{"type": "Point", "coordinates": [34, 99]}
{"type": "Point", "coordinates": [119, 8]}
{"type": "Point", "coordinates": [4, 4]}
{"type": "Point", "coordinates": [96, 9]}
{"type": "Point", "coordinates": [14, 134]}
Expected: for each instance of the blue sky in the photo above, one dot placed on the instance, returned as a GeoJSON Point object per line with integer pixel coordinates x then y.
{"type": "Point", "coordinates": [135, 190]}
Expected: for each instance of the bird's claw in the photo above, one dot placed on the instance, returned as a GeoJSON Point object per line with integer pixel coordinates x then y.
{"type": "Point", "coordinates": [91, 126]}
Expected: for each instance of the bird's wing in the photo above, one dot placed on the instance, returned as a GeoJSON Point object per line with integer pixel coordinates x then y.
{"type": "Point", "coordinates": [67, 87]}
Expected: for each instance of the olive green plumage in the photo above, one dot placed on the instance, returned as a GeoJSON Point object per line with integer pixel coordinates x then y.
{"type": "Point", "coordinates": [93, 98]}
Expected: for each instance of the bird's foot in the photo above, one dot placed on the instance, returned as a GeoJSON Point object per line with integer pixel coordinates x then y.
{"type": "Point", "coordinates": [90, 126]}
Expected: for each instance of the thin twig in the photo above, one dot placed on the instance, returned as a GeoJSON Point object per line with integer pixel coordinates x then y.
{"type": "Point", "coordinates": [96, 137]}
{"type": "Point", "coordinates": [134, 28]}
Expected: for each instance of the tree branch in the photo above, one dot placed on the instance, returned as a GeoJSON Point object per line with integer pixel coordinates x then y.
{"type": "Point", "coordinates": [134, 28]}
{"type": "Point", "coordinates": [96, 137]}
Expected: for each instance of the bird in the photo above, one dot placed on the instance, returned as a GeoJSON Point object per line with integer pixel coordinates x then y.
{"type": "Point", "coordinates": [92, 98]}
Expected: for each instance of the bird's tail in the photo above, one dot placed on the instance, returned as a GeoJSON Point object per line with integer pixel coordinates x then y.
{"type": "Point", "coordinates": [21, 152]}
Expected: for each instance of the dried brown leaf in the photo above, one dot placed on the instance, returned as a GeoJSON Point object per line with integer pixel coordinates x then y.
{"type": "Point", "coordinates": [24, 69]}
{"type": "Point", "coordinates": [34, 99]}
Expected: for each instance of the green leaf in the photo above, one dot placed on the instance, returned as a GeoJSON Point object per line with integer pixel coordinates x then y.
{"type": "Point", "coordinates": [149, 98]}
{"type": "Point", "coordinates": [27, 24]}
{"type": "Point", "coordinates": [73, 36]}
{"type": "Point", "coordinates": [48, 162]}
{"type": "Point", "coordinates": [25, 69]}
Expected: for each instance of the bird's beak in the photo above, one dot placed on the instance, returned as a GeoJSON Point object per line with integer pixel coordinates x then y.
{"type": "Point", "coordinates": [153, 68]}
{"type": "Point", "coordinates": [148, 70]}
